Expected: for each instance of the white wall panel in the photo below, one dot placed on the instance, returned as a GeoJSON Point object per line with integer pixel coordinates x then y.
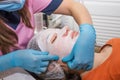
{"type": "Point", "coordinates": [106, 18]}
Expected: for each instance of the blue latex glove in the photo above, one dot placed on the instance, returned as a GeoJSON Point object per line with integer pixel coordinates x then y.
{"type": "Point", "coordinates": [82, 54]}
{"type": "Point", "coordinates": [31, 60]}
{"type": "Point", "coordinates": [11, 5]}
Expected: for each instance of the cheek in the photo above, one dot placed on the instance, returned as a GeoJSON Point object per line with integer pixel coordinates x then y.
{"type": "Point", "coordinates": [62, 47]}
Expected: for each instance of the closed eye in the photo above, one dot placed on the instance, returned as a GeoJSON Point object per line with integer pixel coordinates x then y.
{"type": "Point", "coordinates": [53, 38]}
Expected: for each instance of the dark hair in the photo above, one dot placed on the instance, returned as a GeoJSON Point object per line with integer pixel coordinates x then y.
{"type": "Point", "coordinates": [72, 76]}
{"type": "Point", "coordinates": [68, 76]}
{"type": "Point", "coordinates": [8, 38]}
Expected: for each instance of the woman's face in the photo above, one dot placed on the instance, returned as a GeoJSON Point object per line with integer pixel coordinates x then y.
{"type": "Point", "coordinates": [57, 41]}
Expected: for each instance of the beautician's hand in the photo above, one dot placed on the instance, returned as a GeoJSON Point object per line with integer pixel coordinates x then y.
{"type": "Point", "coordinates": [11, 5]}
{"type": "Point", "coordinates": [31, 60]}
{"type": "Point", "coordinates": [82, 54]}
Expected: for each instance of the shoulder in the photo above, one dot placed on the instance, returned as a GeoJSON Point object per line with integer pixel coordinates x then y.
{"type": "Point", "coordinates": [38, 5]}
{"type": "Point", "coordinates": [114, 41]}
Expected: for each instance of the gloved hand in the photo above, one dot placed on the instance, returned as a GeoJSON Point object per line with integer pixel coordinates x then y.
{"type": "Point", "coordinates": [31, 60]}
{"type": "Point", "coordinates": [82, 54]}
{"type": "Point", "coordinates": [11, 5]}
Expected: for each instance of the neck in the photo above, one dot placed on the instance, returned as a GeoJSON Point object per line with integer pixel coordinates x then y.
{"type": "Point", "coordinates": [100, 58]}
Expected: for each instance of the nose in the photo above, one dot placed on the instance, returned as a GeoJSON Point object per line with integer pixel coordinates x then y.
{"type": "Point", "coordinates": [65, 31]}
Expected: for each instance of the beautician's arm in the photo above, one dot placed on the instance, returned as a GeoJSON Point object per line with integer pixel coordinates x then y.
{"type": "Point", "coordinates": [82, 54]}
{"type": "Point", "coordinates": [75, 9]}
{"type": "Point", "coordinates": [28, 59]}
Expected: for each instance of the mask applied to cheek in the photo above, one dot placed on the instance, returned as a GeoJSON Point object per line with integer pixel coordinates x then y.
{"type": "Point", "coordinates": [11, 5]}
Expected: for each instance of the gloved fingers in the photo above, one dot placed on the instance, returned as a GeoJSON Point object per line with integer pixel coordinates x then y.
{"type": "Point", "coordinates": [44, 64]}
{"type": "Point", "coordinates": [44, 53]}
{"type": "Point", "coordinates": [89, 67]}
{"type": "Point", "coordinates": [36, 52]}
{"type": "Point", "coordinates": [41, 69]}
{"type": "Point", "coordinates": [71, 65]}
{"type": "Point", "coordinates": [68, 58]}
{"type": "Point", "coordinates": [50, 57]}
{"type": "Point", "coordinates": [81, 67]}
{"type": "Point", "coordinates": [75, 65]}
{"type": "Point", "coordinates": [84, 67]}
{"type": "Point", "coordinates": [37, 72]}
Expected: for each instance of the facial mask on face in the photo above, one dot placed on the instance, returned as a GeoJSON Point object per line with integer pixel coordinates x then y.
{"type": "Point", "coordinates": [61, 45]}
{"type": "Point", "coordinates": [11, 5]}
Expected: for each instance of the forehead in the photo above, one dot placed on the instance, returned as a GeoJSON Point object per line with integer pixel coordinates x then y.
{"type": "Point", "coordinates": [48, 31]}
{"type": "Point", "coordinates": [45, 33]}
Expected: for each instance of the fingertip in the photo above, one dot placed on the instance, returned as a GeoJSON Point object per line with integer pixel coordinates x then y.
{"type": "Point", "coordinates": [43, 69]}
{"type": "Point", "coordinates": [46, 53]}
{"type": "Point", "coordinates": [66, 59]}
{"type": "Point", "coordinates": [37, 72]}
{"type": "Point", "coordinates": [88, 68]}
{"type": "Point", "coordinates": [71, 65]}
{"type": "Point", "coordinates": [79, 67]}
{"type": "Point", "coordinates": [55, 57]}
